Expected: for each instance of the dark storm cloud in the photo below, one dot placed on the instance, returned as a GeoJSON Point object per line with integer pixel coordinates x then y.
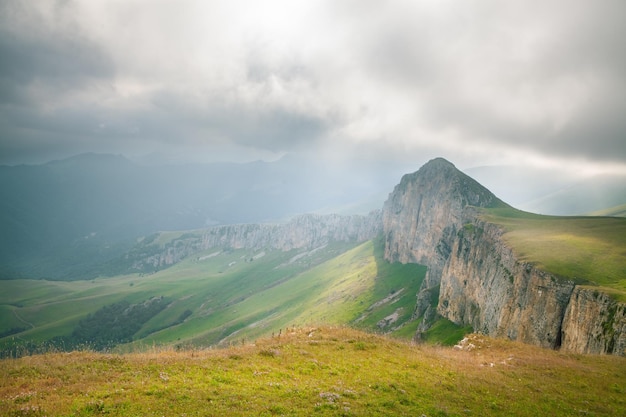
{"type": "Point", "coordinates": [33, 52]}
{"type": "Point", "coordinates": [61, 60]}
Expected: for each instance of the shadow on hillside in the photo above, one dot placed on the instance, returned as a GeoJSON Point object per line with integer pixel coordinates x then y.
{"type": "Point", "coordinates": [394, 293]}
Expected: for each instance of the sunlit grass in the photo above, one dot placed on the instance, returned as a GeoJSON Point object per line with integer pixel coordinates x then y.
{"type": "Point", "coordinates": [232, 296]}
{"type": "Point", "coordinates": [587, 250]}
{"type": "Point", "coordinates": [318, 371]}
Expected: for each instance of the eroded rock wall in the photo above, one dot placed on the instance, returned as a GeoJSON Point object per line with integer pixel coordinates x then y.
{"type": "Point", "coordinates": [421, 218]}
{"type": "Point", "coordinates": [307, 231]}
{"type": "Point", "coordinates": [484, 285]}
{"type": "Point", "coordinates": [594, 323]}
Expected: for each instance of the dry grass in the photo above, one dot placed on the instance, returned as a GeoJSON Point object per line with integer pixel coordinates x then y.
{"type": "Point", "coordinates": [318, 371]}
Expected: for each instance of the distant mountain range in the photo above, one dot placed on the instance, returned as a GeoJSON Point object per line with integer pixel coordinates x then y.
{"type": "Point", "coordinates": [62, 218]}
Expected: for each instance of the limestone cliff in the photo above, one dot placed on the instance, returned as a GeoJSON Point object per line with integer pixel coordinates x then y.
{"type": "Point", "coordinates": [307, 231]}
{"type": "Point", "coordinates": [421, 217]}
{"type": "Point", "coordinates": [594, 322]}
{"type": "Point", "coordinates": [424, 211]}
{"type": "Point", "coordinates": [484, 285]}
{"type": "Point", "coordinates": [432, 217]}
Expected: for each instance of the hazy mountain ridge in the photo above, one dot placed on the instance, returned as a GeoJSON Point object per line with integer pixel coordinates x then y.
{"type": "Point", "coordinates": [308, 231]}
{"type": "Point", "coordinates": [617, 211]}
{"type": "Point", "coordinates": [68, 219]}
{"type": "Point", "coordinates": [477, 279]}
{"type": "Point", "coordinates": [62, 220]}
{"type": "Point", "coordinates": [550, 191]}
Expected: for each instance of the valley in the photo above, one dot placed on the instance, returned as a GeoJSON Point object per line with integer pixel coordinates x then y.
{"type": "Point", "coordinates": [229, 296]}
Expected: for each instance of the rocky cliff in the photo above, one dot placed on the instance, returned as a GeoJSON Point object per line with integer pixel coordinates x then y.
{"type": "Point", "coordinates": [307, 231]}
{"type": "Point", "coordinates": [421, 218]}
{"type": "Point", "coordinates": [594, 322]}
{"type": "Point", "coordinates": [484, 285]}
{"type": "Point", "coordinates": [432, 217]}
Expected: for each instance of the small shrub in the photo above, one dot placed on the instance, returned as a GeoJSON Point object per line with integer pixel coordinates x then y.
{"type": "Point", "coordinates": [269, 353]}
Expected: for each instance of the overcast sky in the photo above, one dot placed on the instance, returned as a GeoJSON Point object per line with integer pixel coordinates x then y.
{"type": "Point", "coordinates": [397, 82]}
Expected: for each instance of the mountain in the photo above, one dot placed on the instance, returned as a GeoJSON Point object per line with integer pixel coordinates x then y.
{"type": "Point", "coordinates": [584, 196]}
{"type": "Point", "coordinates": [304, 232]}
{"type": "Point", "coordinates": [551, 281]}
{"type": "Point", "coordinates": [424, 209]}
{"type": "Point", "coordinates": [508, 273]}
{"type": "Point", "coordinates": [63, 219]}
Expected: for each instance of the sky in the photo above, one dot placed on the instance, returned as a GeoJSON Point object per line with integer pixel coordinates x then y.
{"type": "Point", "coordinates": [479, 82]}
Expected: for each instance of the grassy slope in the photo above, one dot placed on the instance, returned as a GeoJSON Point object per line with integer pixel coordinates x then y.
{"type": "Point", "coordinates": [617, 211]}
{"type": "Point", "coordinates": [588, 250]}
{"type": "Point", "coordinates": [230, 297]}
{"type": "Point", "coordinates": [318, 371]}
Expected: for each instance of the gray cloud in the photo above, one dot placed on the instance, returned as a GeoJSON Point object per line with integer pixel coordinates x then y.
{"type": "Point", "coordinates": [474, 81]}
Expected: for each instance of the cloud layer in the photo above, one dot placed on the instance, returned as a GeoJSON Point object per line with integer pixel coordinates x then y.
{"type": "Point", "coordinates": [478, 82]}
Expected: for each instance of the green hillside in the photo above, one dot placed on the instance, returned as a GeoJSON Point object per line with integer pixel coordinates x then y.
{"type": "Point", "coordinates": [221, 296]}
{"type": "Point", "coordinates": [318, 371]}
{"type": "Point", "coordinates": [617, 211]}
{"type": "Point", "coordinates": [587, 250]}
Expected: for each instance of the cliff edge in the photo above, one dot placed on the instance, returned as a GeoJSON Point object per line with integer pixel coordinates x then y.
{"type": "Point", "coordinates": [433, 217]}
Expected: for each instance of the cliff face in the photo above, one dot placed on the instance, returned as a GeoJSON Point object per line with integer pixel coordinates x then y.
{"type": "Point", "coordinates": [484, 285]}
{"type": "Point", "coordinates": [430, 218]}
{"type": "Point", "coordinates": [303, 232]}
{"type": "Point", "coordinates": [421, 217]}
{"type": "Point", "coordinates": [424, 211]}
{"type": "Point", "coordinates": [595, 323]}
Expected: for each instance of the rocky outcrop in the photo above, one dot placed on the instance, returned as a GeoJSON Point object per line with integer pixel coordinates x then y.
{"type": "Point", "coordinates": [474, 278]}
{"type": "Point", "coordinates": [307, 231]}
{"type": "Point", "coordinates": [594, 322]}
{"type": "Point", "coordinates": [424, 211]}
{"type": "Point", "coordinates": [421, 218]}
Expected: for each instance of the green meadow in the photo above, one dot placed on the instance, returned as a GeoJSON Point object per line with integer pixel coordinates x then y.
{"type": "Point", "coordinates": [224, 296]}
{"type": "Point", "coordinates": [588, 250]}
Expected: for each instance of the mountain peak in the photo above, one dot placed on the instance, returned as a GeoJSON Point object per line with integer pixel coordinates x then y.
{"type": "Point", "coordinates": [441, 180]}
{"type": "Point", "coordinates": [428, 205]}
{"type": "Point", "coordinates": [439, 162]}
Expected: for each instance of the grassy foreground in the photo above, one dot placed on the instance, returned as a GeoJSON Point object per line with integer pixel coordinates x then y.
{"type": "Point", "coordinates": [318, 371]}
